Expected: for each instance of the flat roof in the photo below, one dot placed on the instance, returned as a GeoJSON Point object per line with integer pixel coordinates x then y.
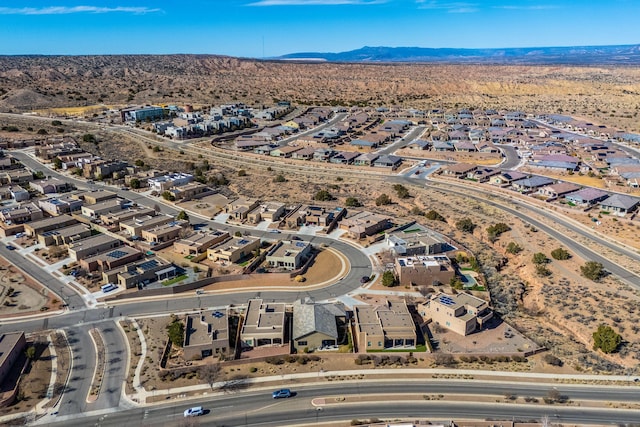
{"type": "Point", "coordinates": [89, 242]}
{"type": "Point", "coordinates": [207, 327]}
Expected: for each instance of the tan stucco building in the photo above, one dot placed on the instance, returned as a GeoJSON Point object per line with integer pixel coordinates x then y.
{"type": "Point", "coordinates": [386, 326]}
{"type": "Point", "coordinates": [461, 313]}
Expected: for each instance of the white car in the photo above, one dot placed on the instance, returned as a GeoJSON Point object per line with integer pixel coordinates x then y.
{"type": "Point", "coordinates": [194, 412]}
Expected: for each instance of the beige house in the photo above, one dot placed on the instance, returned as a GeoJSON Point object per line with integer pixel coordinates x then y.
{"type": "Point", "coordinates": [271, 211]}
{"type": "Point", "coordinates": [165, 232]}
{"type": "Point", "coordinates": [93, 197]}
{"type": "Point", "coordinates": [289, 255]}
{"type": "Point", "coordinates": [198, 243]}
{"type": "Point", "coordinates": [315, 326]}
{"type": "Point", "coordinates": [461, 313]}
{"type": "Point", "coordinates": [206, 334]}
{"type": "Point", "coordinates": [102, 208]}
{"type": "Point", "coordinates": [63, 236]}
{"type": "Point", "coordinates": [239, 209]}
{"type": "Point", "coordinates": [190, 191]}
{"type": "Point", "coordinates": [26, 212]}
{"type": "Point", "coordinates": [140, 273]}
{"type": "Point", "coordinates": [135, 225]}
{"type": "Point", "coordinates": [111, 259]}
{"type": "Point", "coordinates": [264, 324]}
{"type": "Point", "coordinates": [424, 270]}
{"type": "Point", "coordinates": [90, 246]}
{"type": "Point", "coordinates": [234, 249]}
{"type": "Point", "coordinates": [115, 218]}
{"type": "Point", "coordinates": [365, 224]}
{"type": "Point", "coordinates": [387, 326]}
{"type": "Point", "coordinates": [38, 227]}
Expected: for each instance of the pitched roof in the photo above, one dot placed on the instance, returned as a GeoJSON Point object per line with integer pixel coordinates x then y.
{"type": "Point", "coordinates": [621, 201]}
{"type": "Point", "coordinates": [310, 318]}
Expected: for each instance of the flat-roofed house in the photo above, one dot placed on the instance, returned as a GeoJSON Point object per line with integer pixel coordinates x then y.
{"type": "Point", "coordinates": [271, 211]}
{"type": "Point", "coordinates": [289, 255]}
{"type": "Point", "coordinates": [53, 185]}
{"type": "Point", "coordinates": [115, 218]}
{"type": "Point", "coordinates": [264, 324]}
{"type": "Point", "coordinates": [461, 313]}
{"type": "Point", "coordinates": [63, 236]}
{"type": "Point", "coordinates": [96, 196]}
{"type": "Point", "coordinates": [206, 334]}
{"type": "Point", "coordinates": [102, 208]}
{"type": "Point", "coordinates": [424, 270]}
{"type": "Point", "coordinates": [315, 326]}
{"type": "Point", "coordinates": [90, 246]}
{"type": "Point", "coordinates": [140, 273]}
{"type": "Point", "coordinates": [60, 205]}
{"type": "Point", "coordinates": [365, 224]}
{"type": "Point", "coordinates": [12, 345]}
{"type": "Point", "coordinates": [198, 243]}
{"type": "Point", "coordinates": [419, 242]}
{"type": "Point", "coordinates": [165, 232]}
{"type": "Point", "coordinates": [110, 259]}
{"type": "Point", "coordinates": [24, 213]}
{"type": "Point", "coordinates": [239, 209]}
{"type": "Point", "coordinates": [234, 249]}
{"type": "Point", "coordinates": [137, 224]}
{"type": "Point", "coordinates": [386, 326]}
{"type": "Point", "coordinates": [37, 227]}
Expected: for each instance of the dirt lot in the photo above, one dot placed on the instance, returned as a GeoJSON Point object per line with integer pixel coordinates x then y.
{"type": "Point", "coordinates": [21, 295]}
{"type": "Point", "coordinates": [208, 206]}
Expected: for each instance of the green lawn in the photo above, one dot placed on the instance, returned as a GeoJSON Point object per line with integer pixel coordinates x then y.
{"type": "Point", "coordinates": [421, 348]}
{"type": "Point", "coordinates": [174, 280]}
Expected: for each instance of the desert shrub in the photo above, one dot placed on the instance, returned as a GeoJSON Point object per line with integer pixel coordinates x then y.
{"type": "Point", "coordinates": [323, 196]}
{"type": "Point", "coordinates": [606, 339]}
{"type": "Point", "coordinates": [552, 360]}
{"type": "Point", "coordinates": [513, 248]}
{"type": "Point", "coordinates": [560, 254]}
{"type": "Point", "coordinates": [593, 270]}
{"type": "Point", "coordinates": [352, 202]}
{"type": "Point", "coordinates": [465, 225]}
{"type": "Point", "coordinates": [434, 216]}
{"type": "Point", "coordinates": [383, 199]}
{"type": "Point", "coordinates": [540, 259]}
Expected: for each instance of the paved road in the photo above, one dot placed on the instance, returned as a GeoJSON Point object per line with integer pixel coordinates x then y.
{"type": "Point", "coordinates": [256, 408]}
{"type": "Point", "coordinates": [402, 142]}
{"type": "Point", "coordinates": [512, 159]}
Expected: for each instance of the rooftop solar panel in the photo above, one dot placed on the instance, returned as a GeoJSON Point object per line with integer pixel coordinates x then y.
{"type": "Point", "coordinates": [116, 254]}
{"type": "Point", "coordinates": [147, 265]}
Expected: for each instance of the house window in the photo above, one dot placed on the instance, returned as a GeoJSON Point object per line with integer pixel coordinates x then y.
{"type": "Point", "coordinates": [368, 343]}
{"type": "Point", "coordinates": [379, 343]}
{"type": "Point", "coordinates": [302, 343]}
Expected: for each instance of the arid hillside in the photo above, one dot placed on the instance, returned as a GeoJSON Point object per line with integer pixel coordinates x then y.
{"type": "Point", "coordinates": [608, 95]}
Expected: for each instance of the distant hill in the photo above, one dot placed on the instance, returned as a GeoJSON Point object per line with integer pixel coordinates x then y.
{"type": "Point", "coordinates": [577, 55]}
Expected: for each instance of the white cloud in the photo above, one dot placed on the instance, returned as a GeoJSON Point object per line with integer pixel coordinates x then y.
{"type": "Point", "coordinates": [66, 10]}
{"type": "Point", "coordinates": [314, 2]}
{"type": "Point", "coordinates": [453, 7]}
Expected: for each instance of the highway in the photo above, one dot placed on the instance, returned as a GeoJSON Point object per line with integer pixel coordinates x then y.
{"type": "Point", "coordinates": [367, 399]}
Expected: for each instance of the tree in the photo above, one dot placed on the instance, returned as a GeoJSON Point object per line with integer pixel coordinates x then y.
{"type": "Point", "coordinates": [383, 199]}
{"type": "Point", "coordinates": [211, 373]}
{"type": "Point", "coordinates": [401, 191]}
{"type": "Point", "coordinates": [182, 215]}
{"type": "Point", "coordinates": [494, 231]}
{"type": "Point", "coordinates": [238, 234]}
{"type": "Point", "coordinates": [434, 216]}
{"type": "Point", "coordinates": [281, 178]}
{"type": "Point", "coordinates": [323, 196]}
{"type": "Point", "coordinates": [168, 196]}
{"type": "Point", "coordinates": [417, 211]}
{"type": "Point", "coordinates": [30, 353]}
{"type": "Point", "coordinates": [388, 279]}
{"type": "Point", "coordinates": [89, 137]}
{"type": "Point", "coordinates": [352, 202]}
{"type": "Point", "coordinates": [465, 225]}
{"type": "Point", "coordinates": [135, 183]}
{"type": "Point", "coordinates": [593, 270]}
{"type": "Point", "coordinates": [57, 163]}
{"type": "Point", "coordinates": [606, 339]}
{"type": "Point", "coordinates": [456, 283]}
{"type": "Point", "coordinates": [513, 248]}
{"type": "Point", "coordinates": [38, 175]}
{"type": "Point", "coordinates": [176, 333]}
{"type": "Point", "coordinates": [139, 163]}
{"type": "Point", "coordinates": [560, 254]}
{"type": "Point", "coordinates": [540, 259]}
{"type": "Point", "coordinates": [542, 270]}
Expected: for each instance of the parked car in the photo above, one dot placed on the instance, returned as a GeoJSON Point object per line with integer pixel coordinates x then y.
{"type": "Point", "coordinates": [194, 412]}
{"type": "Point", "coordinates": [281, 394]}
{"type": "Point", "coordinates": [11, 247]}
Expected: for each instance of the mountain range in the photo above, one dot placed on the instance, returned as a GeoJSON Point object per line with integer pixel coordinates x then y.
{"type": "Point", "coordinates": [575, 55]}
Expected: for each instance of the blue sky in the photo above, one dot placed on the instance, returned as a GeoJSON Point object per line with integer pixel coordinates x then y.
{"type": "Point", "coordinates": [253, 28]}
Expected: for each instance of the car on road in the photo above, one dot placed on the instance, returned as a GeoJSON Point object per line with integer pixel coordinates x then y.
{"type": "Point", "coordinates": [196, 411]}
{"type": "Point", "coordinates": [274, 231]}
{"type": "Point", "coordinates": [11, 247]}
{"type": "Point", "coordinates": [283, 393]}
